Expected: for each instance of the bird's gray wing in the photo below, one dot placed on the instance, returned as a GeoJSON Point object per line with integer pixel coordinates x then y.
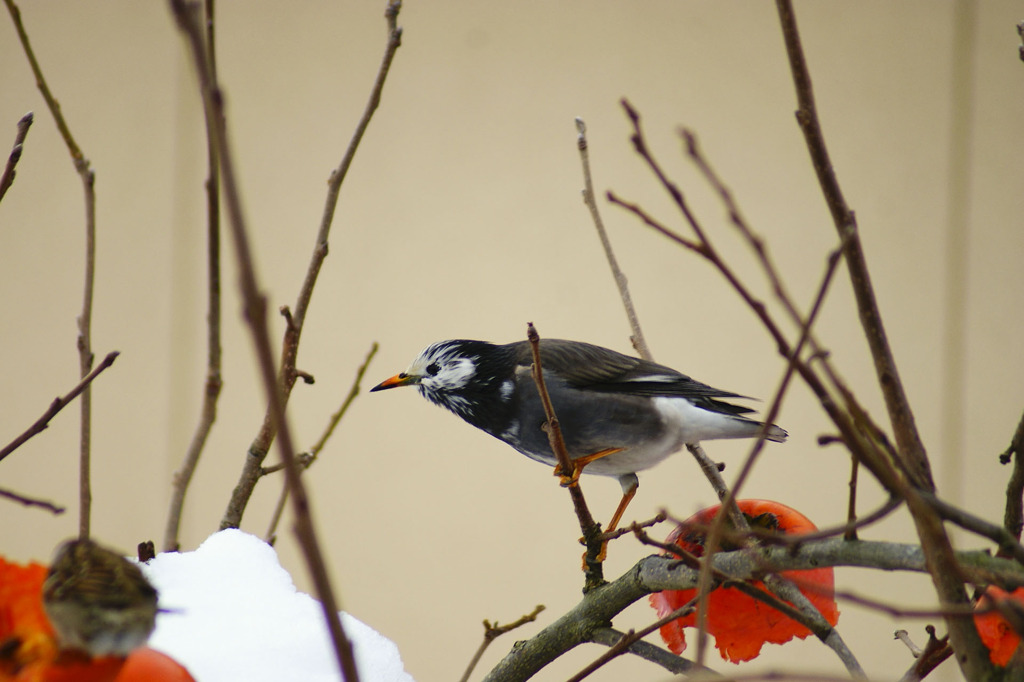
{"type": "Point", "coordinates": [585, 366]}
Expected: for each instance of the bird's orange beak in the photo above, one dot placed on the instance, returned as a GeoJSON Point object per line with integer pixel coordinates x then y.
{"type": "Point", "coordinates": [402, 379]}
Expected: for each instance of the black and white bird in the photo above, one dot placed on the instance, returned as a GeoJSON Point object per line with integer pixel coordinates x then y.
{"type": "Point", "coordinates": [631, 413]}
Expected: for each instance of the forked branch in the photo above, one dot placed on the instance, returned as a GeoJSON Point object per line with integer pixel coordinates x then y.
{"type": "Point", "coordinates": [255, 306]}
{"type": "Point", "coordinates": [287, 373]}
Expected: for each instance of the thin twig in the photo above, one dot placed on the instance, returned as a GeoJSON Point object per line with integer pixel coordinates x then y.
{"type": "Point", "coordinates": [639, 343]}
{"type": "Point", "coordinates": [887, 607]}
{"type": "Point", "coordinates": [31, 501]}
{"type": "Point", "coordinates": [319, 445]}
{"type": "Point", "coordinates": [1008, 545]}
{"type": "Point", "coordinates": [632, 528]}
{"type": "Point", "coordinates": [755, 241]}
{"type": "Point", "coordinates": [617, 648]}
{"type": "Point", "coordinates": [492, 632]}
{"type": "Point", "coordinates": [214, 381]}
{"type": "Point", "coordinates": [7, 179]}
{"type": "Point", "coordinates": [808, 615]}
{"type": "Point", "coordinates": [904, 637]}
{"type": "Point", "coordinates": [625, 642]}
{"type": "Point", "coordinates": [352, 393]}
{"type": "Point", "coordinates": [58, 404]}
{"type": "Point", "coordinates": [733, 513]}
{"type": "Point", "coordinates": [591, 529]}
{"type": "Point", "coordinates": [655, 654]}
{"type": "Point", "coordinates": [770, 537]}
{"type": "Point", "coordinates": [791, 366]}
{"type": "Point", "coordinates": [290, 347]}
{"type": "Point", "coordinates": [255, 306]}
{"type": "Point", "coordinates": [85, 357]}
{"type": "Point", "coordinates": [757, 244]}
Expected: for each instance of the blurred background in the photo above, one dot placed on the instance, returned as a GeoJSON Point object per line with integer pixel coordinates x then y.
{"type": "Point", "coordinates": [461, 217]}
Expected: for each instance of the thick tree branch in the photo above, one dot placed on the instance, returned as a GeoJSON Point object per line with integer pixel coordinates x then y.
{"type": "Point", "coordinates": [655, 573]}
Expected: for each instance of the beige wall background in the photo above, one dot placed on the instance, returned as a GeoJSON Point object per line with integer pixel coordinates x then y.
{"type": "Point", "coordinates": [462, 217]}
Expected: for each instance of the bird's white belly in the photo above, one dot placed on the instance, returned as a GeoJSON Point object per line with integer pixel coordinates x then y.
{"type": "Point", "coordinates": [636, 458]}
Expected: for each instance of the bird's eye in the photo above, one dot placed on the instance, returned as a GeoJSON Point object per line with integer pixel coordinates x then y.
{"type": "Point", "coordinates": [433, 368]}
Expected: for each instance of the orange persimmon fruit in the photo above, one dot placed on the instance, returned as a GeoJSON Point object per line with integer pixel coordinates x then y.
{"type": "Point", "coordinates": [740, 624]}
{"type": "Point", "coordinates": [996, 633]}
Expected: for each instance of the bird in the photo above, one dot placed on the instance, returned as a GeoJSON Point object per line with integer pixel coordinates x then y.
{"type": "Point", "coordinates": [98, 602]}
{"type": "Point", "coordinates": [618, 414]}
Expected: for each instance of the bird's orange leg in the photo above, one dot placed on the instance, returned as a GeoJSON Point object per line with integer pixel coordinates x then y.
{"type": "Point", "coordinates": [627, 497]}
{"type": "Point", "coordinates": [579, 463]}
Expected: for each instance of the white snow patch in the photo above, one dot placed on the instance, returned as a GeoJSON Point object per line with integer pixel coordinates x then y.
{"type": "Point", "coordinates": [233, 613]}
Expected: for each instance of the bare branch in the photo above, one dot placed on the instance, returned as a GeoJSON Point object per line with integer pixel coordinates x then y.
{"type": "Point", "coordinates": [85, 356]}
{"type": "Point", "coordinates": [214, 382]}
{"type": "Point", "coordinates": [859, 433]}
{"type": "Point", "coordinates": [290, 347]}
{"type": "Point", "coordinates": [666, 659]}
{"type": "Point", "coordinates": [654, 573]}
{"type": "Point", "coordinates": [632, 528]}
{"type": "Point", "coordinates": [909, 446]}
{"type": "Point", "coordinates": [492, 632]}
{"type": "Point", "coordinates": [255, 312]}
{"type": "Point", "coordinates": [7, 179]}
{"type": "Point", "coordinates": [1008, 545]}
{"type": "Point", "coordinates": [807, 614]}
{"type": "Point", "coordinates": [57, 405]}
{"type": "Point", "coordinates": [910, 453]}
